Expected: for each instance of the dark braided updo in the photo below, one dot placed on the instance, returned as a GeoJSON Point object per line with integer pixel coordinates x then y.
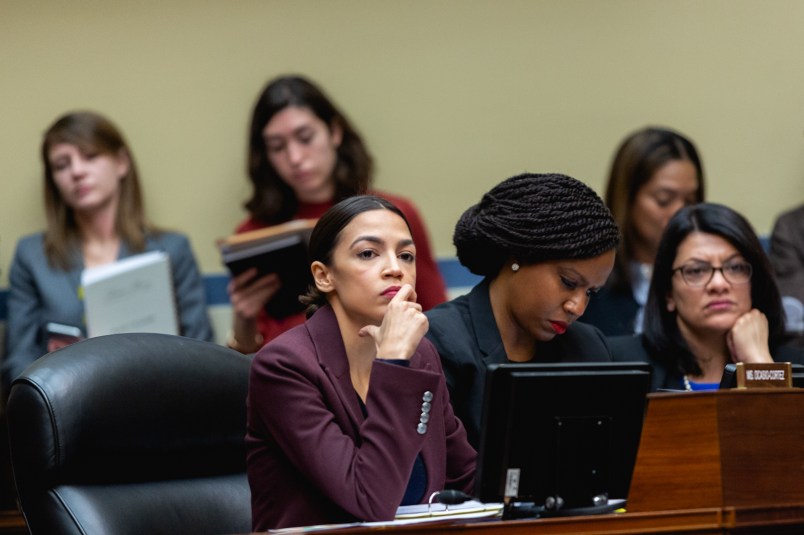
{"type": "Point", "coordinates": [532, 218]}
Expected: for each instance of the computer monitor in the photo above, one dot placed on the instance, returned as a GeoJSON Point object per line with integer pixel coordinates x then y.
{"type": "Point", "coordinates": [565, 435]}
{"type": "Point", "coordinates": [729, 377]}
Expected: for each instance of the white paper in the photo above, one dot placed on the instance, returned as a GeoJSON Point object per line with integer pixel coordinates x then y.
{"type": "Point", "coordinates": [131, 295]}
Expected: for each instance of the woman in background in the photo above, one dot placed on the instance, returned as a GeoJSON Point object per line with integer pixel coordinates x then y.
{"type": "Point", "coordinates": [545, 244]}
{"type": "Point", "coordinates": [713, 300]}
{"type": "Point", "coordinates": [787, 258]}
{"type": "Point", "coordinates": [655, 172]}
{"type": "Point", "coordinates": [95, 216]}
{"type": "Point", "coordinates": [348, 414]}
{"type": "Point", "coordinates": [305, 156]}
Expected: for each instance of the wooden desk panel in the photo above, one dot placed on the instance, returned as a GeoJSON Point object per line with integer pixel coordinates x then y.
{"type": "Point", "coordinates": [702, 521]}
{"type": "Point", "coordinates": [781, 519]}
{"type": "Point", "coordinates": [720, 449]}
{"type": "Point", "coordinates": [677, 465]}
{"type": "Point", "coordinates": [762, 447]}
{"type": "Point", "coordinates": [12, 523]}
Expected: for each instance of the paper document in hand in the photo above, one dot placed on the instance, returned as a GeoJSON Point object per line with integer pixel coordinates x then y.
{"type": "Point", "coordinates": [131, 295]}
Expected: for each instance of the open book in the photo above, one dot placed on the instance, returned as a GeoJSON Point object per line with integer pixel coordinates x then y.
{"type": "Point", "coordinates": [280, 249]}
{"type": "Point", "coordinates": [131, 295]}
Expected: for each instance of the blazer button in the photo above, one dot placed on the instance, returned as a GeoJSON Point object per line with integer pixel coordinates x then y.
{"type": "Point", "coordinates": [426, 406]}
{"type": "Point", "coordinates": [428, 396]}
{"type": "Point", "coordinates": [424, 418]}
{"type": "Point", "coordinates": [422, 428]}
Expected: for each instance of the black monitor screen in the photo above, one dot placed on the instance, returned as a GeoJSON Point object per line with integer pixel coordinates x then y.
{"type": "Point", "coordinates": [561, 430]}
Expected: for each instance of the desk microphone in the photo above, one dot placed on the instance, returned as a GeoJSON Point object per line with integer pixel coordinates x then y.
{"type": "Point", "coordinates": [450, 497]}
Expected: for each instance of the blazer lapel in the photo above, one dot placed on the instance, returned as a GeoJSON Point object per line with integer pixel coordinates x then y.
{"type": "Point", "coordinates": [487, 334]}
{"type": "Point", "coordinates": [326, 336]}
{"type": "Point", "coordinates": [73, 276]}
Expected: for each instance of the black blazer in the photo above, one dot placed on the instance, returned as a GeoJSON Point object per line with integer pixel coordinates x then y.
{"type": "Point", "coordinates": [467, 339]}
{"type": "Point", "coordinates": [613, 311]}
{"type": "Point", "coordinates": [633, 348]}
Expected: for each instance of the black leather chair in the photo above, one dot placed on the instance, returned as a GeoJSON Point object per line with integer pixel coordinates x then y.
{"type": "Point", "coordinates": [132, 433]}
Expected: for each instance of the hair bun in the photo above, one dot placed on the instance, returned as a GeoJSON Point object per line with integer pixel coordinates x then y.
{"type": "Point", "coordinates": [533, 218]}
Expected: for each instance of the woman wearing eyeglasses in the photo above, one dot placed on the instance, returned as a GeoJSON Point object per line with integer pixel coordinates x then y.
{"type": "Point", "coordinates": [712, 300]}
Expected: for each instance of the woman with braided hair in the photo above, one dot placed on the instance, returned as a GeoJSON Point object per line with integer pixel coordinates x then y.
{"type": "Point", "coordinates": [544, 243]}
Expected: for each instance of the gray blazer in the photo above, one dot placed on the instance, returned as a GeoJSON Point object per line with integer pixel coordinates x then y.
{"type": "Point", "coordinates": [40, 293]}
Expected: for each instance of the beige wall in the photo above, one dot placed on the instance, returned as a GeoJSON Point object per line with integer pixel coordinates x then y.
{"type": "Point", "coordinates": [452, 96]}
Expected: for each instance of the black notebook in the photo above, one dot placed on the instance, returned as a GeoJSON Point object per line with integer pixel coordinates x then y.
{"type": "Point", "coordinates": [280, 249]}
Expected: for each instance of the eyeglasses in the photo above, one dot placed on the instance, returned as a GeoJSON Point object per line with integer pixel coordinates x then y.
{"type": "Point", "coordinates": [700, 274]}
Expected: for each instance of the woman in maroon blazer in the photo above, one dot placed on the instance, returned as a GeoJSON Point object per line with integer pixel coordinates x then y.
{"type": "Point", "coordinates": [349, 414]}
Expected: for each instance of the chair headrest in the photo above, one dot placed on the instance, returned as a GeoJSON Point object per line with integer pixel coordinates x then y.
{"type": "Point", "coordinates": [130, 406]}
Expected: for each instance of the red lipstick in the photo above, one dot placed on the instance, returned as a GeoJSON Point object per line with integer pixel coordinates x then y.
{"type": "Point", "coordinates": [391, 291]}
{"type": "Point", "coordinates": [559, 327]}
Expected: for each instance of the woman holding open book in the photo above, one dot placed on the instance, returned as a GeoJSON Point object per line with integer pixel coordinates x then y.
{"type": "Point", "coordinates": [95, 216]}
{"type": "Point", "coordinates": [348, 414]}
{"type": "Point", "coordinates": [305, 156]}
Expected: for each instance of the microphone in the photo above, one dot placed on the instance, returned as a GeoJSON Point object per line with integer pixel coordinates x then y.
{"type": "Point", "coordinates": [449, 497]}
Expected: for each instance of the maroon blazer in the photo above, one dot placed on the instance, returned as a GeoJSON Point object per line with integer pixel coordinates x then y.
{"type": "Point", "coordinates": [312, 456]}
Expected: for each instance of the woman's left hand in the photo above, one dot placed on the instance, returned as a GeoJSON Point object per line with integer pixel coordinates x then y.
{"type": "Point", "coordinates": [402, 327]}
{"type": "Point", "coordinates": [748, 338]}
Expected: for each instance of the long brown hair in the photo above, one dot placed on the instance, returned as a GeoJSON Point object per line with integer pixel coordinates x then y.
{"type": "Point", "coordinates": [273, 201]}
{"type": "Point", "coordinates": [89, 132]}
{"type": "Point", "coordinates": [638, 158]}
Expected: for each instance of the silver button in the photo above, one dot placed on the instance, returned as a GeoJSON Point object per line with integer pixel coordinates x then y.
{"type": "Point", "coordinates": [421, 428]}
{"type": "Point", "coordinates": [424, 418]}
{"type": "Point", "coordinates": [425, 407]}
{"type": "Point", "coordinates": [428, 396]}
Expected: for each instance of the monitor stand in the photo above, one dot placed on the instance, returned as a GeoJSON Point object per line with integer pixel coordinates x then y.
{"type": "Point", "coordinates": [520, 510]}
{"type": "Point", "coordinates": [609, 507]}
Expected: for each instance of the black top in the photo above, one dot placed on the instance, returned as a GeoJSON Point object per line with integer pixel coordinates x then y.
{"type": "Point", "coordinates": [467, 339]}
{"type": "Point", "coordinates": [634, 348]}
{"type": "Point", "coordinates": [613, 311]}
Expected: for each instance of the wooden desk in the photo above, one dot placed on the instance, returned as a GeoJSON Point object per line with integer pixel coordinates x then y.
{"type": "Point", "coordinates": [710, 462]}
{"type": "Point", "coordinates": [12, 523]}
{"type": "Point", "coordinates": [778, 520]}
{"type": "Point", "coordinates": [741, 449]}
